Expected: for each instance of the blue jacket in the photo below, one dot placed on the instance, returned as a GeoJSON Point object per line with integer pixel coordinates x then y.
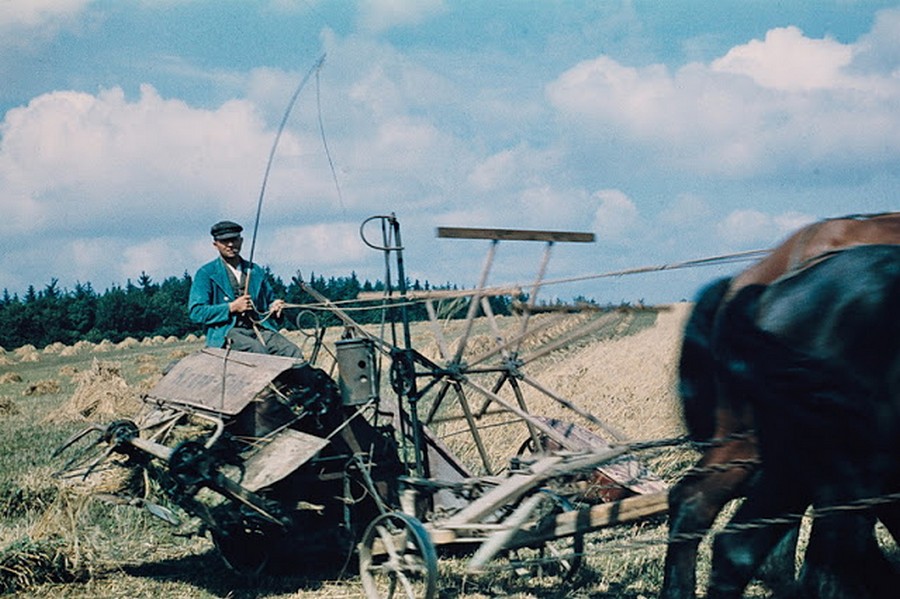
{"type": "Point", "coordinates": [211, 292]}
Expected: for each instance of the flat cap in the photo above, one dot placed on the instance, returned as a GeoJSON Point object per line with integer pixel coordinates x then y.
{"type": "Point", "coordinates": [225, 229]}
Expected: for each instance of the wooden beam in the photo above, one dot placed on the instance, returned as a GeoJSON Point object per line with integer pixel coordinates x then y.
{"type": "Point", "coordinates": [513, 234]}
{"type": "Point", "coordinates": [587, 520]}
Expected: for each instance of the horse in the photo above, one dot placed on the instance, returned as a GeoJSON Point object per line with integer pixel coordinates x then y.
{"type": "Point", "coordinates": [728, 467]}
{"type": "Point", "coordinates": [816, 356]}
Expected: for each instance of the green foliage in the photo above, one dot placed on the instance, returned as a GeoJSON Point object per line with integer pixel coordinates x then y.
{"type": "Point", "coordinates": [149, 309]}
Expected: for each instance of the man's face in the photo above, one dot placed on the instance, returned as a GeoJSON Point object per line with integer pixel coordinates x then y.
{"type": "Point", "coordinates": [229, 248]}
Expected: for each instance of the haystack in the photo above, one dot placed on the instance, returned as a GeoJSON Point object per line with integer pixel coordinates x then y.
{"type": "Point", "coordinates": [177, 354]}
{"type": "Point", "coordinates": [127, 342]}
{"type": "Point", "coordinates": [104, 346]}
{"type": "Point", "coordinates": [25, 349]}
{"type": "Point", "coordinates": [46, 387]}
{"type": "Point", "coordinates": [29, 357]}
{"type": "Point", "coordinates": [10, 377]}
{"type": "Point", "coordinates": [101, 394]}
{"type": "Point", "coordinates": [53, 348]}
{"type": "Point", "coordinates": [68, 370]}
{"type": "Point", "coordinates": [148, 368]}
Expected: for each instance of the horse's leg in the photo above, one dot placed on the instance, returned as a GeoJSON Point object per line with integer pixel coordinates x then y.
{"type": "Point", "coordinates": [738, 554]}
{"type": "Point", "coordinates": [694, 503]}
{"type": "Point", "coordinates": [778, 571]}
{"type": "Point", "coordinates": [843, 559]}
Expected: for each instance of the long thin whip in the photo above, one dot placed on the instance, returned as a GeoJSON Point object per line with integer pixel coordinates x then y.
{"type": "Point", "coordinates": [262, 192]}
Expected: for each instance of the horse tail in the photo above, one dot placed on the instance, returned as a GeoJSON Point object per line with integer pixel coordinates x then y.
{"type": "Point", "coordinates": [696, 366]}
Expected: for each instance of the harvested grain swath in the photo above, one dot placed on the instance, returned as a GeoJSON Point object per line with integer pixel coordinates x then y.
{"type": "Point", "coordinates": [101, 394]}
{"type": "Point", "coordinates": [28, 562]}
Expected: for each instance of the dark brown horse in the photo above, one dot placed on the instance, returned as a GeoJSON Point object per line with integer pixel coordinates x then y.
{"type": "Point", "coordinates": [729, 466]}
{"type": "Point", "coordinates": [816, 355]}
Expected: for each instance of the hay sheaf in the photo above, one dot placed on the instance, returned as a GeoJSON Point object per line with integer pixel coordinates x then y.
{"type": "Point", "coordinates": [68, 370]}
{"type": "Point", "coordinates": [30, 357]}
{"type": "Point", "coordinates": [10, 377]}
{"type": "Point", "coordinates": [54, 348]}
{"type": "Point", "coordinates": [47, 387]}
{"type": "Point", "coordinates": [104, 346]}
{"type": "Point", "coordinates": [128, 342]}
{"type": "Point", "coordinates": [101, 394]}
{"type": "Point", "coordinates": [83, 345]}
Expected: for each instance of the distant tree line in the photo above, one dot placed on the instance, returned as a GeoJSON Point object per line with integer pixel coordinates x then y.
{"type": "Point", "coordinates": [147, 308]}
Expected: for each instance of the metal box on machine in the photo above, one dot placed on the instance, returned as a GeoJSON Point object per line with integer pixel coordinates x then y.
{"type": "Point", "coordinates": [358, 378]}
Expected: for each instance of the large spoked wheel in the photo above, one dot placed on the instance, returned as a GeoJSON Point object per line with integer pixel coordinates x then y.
{"type": "Point", "coordinates": [397, 559]}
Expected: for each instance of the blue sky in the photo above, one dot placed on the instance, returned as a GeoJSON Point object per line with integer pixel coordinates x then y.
{"type": "Point", "coordinates": [674, 131]}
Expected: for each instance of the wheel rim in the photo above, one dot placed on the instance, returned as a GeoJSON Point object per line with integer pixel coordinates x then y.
{"type": "Point", "coordinates": [397, 559]}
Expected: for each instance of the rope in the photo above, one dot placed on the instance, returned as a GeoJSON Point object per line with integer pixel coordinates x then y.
{"type": "Point", "coordinates": [315, 68]}
{"type": "Point", "coordinates": [325, 144]}
{"type": "Point", "coordinates": [714, 260]}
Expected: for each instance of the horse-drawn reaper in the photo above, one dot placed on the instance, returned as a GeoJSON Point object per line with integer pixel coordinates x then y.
{"type": "Point", "coordinates": [284, 465]}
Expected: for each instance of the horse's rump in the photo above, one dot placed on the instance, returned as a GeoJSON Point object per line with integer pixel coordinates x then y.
{"type": "Point", "coordinates": [807, 244]}
{"type": "Point", "coordinates": [818, 356]}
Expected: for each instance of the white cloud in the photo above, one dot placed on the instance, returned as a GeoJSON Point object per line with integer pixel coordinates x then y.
{"type": "Point", "coordinates": [380, 15]}
{"type": "Point", "coordinates": [878, 51]}
{"type": "Point", "coordinates": [322, 248]}
{"type": "Point", "coordinates": [616, 216]}
{"type": "Point", "coordinates": [787, 60]}
{"type": "Point", "coordinates": [73, 159]}
{"type": "Point", "coordinates": [686, 210]}
{"type": "Point", "coordinates": [784, 103]}
{"type": "Point", "coordinates": [514, 167]}
{"type": "Point", "coordinates": [746, 226]}
{"type": "Point", "coordinates": [38, 13]}
{"type": "Point", "coordinates": [743, 228]}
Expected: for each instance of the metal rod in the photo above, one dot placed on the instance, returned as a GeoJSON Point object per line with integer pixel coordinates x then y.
{"type": "Point", "coordinates": [473, 303]}
{"type": "Point", "coordinates": [532, 298]}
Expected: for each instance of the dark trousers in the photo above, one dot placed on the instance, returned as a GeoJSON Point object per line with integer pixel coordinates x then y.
{"type": "Point", "coordinates": [271, 343]}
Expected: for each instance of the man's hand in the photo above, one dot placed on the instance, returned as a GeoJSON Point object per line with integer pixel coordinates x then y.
{"type": "Point", "coordinates": [241, 304]}
{"type": "Point", "coordinates": [276, 307]}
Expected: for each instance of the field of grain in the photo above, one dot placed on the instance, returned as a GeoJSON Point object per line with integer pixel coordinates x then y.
{"type": "Point", "coordinates": [66, 541]}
